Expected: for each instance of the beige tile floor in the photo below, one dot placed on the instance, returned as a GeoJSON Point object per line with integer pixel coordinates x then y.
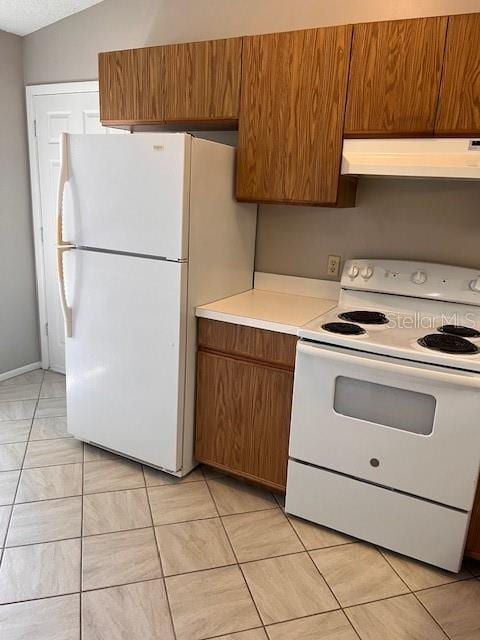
{"type": "Point", "coordinates": [95, 547]}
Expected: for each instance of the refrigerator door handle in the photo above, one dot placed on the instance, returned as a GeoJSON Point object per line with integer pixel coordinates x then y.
{"type": "Point", "coordinates": [61, 245]}
{"type": "Point", "coordinates": [62, 181]}
{"type": "Point", "coordinates": [66, 310]}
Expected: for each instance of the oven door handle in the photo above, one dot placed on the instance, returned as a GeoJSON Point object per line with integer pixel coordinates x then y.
{"type": "Point", "coordinates": [459, 378]}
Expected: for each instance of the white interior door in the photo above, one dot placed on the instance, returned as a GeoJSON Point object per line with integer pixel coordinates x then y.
{"type": "Point", "coordinates": [54, 113]}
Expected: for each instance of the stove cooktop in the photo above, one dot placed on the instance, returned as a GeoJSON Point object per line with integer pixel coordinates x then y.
{"type": "Point", "coordinates": [413, 335]}
{"type": "Point", "coordinates": [416, 311]}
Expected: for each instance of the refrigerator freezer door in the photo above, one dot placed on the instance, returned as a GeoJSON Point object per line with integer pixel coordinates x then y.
{"type": "Point", "coordinates": [128, 193]}
{"type": "Point", "coordinates": [125, 359]}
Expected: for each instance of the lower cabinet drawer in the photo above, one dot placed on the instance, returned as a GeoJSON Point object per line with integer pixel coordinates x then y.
{"type": "Point", "coordinates": [411, 526]}
{"type": "Point", "coordinates": [276, 349]}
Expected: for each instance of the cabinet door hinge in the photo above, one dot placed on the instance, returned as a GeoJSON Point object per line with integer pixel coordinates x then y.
{"type": "Point", "coordinates": [35, 128]}
{"type": "Point", "coordinates": [41, 234]}
{"type": "Point", "coordinates": [46, 328]}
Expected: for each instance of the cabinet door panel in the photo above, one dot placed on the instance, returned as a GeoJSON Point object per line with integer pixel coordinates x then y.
{"type": "Point", "coordinates": [395, 74]}
{"type": "Point", "coordinates": [202, 80]}
{"type": "Point", "coordinates": [473, 539]}
{"type": "Point", "coordinates": [459, 104]}
{"type": "Point", "coordinates": [196, 82]}
{"type": "Point", "coordinates": [131, 86]}
{"type": "Point", "coordinates": [291, 115]}
{"type": "Point", "coordinates": [243, 417]}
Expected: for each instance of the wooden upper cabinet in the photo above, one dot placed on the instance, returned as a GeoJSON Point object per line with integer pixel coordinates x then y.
{"type": "Point", "coordinates": [202, 80]}
{"type": "Point", "coordinates": [395, 73]}
{"type": "Point", "coordinates": [291, 116]}
{"type": "Point", "coordinates": [196, 83]}
{"type": "Point", "coordinates": [131, 89]}
{"type": "Point", "coordinates": [459, 104]}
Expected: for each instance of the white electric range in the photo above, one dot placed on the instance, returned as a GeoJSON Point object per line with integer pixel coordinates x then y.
{"type": "Point", "coordinates": [385, 431]}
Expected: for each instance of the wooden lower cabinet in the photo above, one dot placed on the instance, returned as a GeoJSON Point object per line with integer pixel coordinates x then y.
{"type": "Point", "coordinates": [472, 547]}
{"type": "Point", "coordinates": [244, 405]}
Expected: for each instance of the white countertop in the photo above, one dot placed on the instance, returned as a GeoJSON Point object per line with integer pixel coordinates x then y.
{"type": "Point", "coordinates": [270, 310]}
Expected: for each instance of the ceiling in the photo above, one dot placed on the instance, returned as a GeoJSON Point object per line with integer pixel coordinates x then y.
{"type": "Point", "coordinates": [24, 16]}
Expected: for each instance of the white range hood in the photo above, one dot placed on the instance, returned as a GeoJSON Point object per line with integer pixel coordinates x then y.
{"type": "Point", "coordinates": [448, 158]}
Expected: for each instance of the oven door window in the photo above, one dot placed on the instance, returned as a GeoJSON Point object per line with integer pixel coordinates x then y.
{"type": "Point", "coordinates": [389, 406]}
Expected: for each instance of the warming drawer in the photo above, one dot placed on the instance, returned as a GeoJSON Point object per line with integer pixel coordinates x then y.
{"type": "Point", "coordinates": [411, 526]}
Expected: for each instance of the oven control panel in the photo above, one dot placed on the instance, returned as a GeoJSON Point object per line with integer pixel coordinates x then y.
{"type": "Point", "coordinates": [416, 279]}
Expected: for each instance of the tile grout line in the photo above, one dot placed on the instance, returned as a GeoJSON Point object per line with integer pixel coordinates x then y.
{"type": "Point", "coordinates": [307, 551]}
{"type": "Point", "coordinates": [70, 593]}
{"type": "Point", "coordinates": [80, 606]}
{"type": "Point", "coordinates": [323, 577]}
{"type": "Point", "coordinates": [106, 533]}
{"type": "Point", "coordinates": [430, 614]}
{"type": "Point", "coordinates": [20, 475]}
{"type": "Point", "coordinates": [382, 550]}
{"type": "Point", "coordinates": [237, 633]}
{"type": "Point", "coordinates": [39, 501]}
{"type": "Point", "coordinates": [411, 591]}
{"type": "Point", "coordinates": [74, 495]}
{"type": "Point", "coordinates": [57, 595]}
{"type": "Point", "coordinates": [212, 497]}
{"type": "Point", "coordinates": [38, 397]}
{"type": "Point", "coordinates": [311, 559]}
{"type": "Point", "coordinates": [174, 632]}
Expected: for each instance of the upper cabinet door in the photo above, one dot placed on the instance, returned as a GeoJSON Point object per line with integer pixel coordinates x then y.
{"type": "Point", "coordinates": [459, 104]}
{"type": "Point", "coordinates": [395, 75]}
{"type": "Point", "coordinates": [131, 85]}
{"type": "Point", "coordinates": [291, 116]}
{"type": "Point", "coordinates": [202, 80]}
{"type": "Point", "coordinates": [197, 83]}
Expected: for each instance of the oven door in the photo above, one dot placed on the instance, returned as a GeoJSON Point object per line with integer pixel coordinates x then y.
{"type": "Point", "coordinates": [404, 425]}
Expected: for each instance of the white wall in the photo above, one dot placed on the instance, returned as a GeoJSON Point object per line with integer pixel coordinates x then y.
{"type": "Point", "coordinates": [67, 50]}
{"type": "Point", "coordinates": [18, 314]}
{"type": "Point", "coordinates": [393, 219]}
{"type": "Point", "coordinates": [434, 221]}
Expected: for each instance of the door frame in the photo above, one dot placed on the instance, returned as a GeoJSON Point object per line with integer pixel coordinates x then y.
{"type": "Point", "coordinates": [31, 92]}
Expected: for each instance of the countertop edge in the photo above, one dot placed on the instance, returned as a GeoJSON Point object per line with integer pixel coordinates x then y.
{"type": "Point", "coordinates": [247, 321]}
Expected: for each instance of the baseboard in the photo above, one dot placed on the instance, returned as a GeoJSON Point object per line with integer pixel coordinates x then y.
{"type": "Point", "coordinates": [20, 370]}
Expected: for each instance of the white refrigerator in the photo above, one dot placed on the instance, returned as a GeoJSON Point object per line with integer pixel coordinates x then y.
{"type": "Point", "coordinates": [148, 228]}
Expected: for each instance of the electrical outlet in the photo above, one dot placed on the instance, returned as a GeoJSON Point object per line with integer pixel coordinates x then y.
{"type": "Point", "coordinates": [333, 266]}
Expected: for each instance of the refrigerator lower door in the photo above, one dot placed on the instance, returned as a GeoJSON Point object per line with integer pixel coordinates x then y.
{"type": "Point", "coordinates": [125, 358]}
